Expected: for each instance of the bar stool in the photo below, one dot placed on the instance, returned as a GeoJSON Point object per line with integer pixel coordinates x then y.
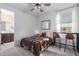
{"type": "Point", "coordinates": [70, 36]}
{"type": "Point", "coordinates": [55, 37]}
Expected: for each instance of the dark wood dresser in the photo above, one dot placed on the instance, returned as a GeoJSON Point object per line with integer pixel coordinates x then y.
{"type": "Point", "coordinates": [7, 37]}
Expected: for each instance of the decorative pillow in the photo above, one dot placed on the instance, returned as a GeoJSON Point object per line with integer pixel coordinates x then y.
{"type": "Point", "coordinates": [45, 38]}
{"type": "Point", "coordinates": [43, 34]}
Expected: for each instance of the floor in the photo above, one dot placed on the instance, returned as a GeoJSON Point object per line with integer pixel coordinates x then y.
{"type": "Point", "coordinates": [51, 51]}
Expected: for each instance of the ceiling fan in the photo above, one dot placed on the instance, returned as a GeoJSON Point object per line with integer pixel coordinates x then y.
{"type": "Point", "coordinates": [39, 6]}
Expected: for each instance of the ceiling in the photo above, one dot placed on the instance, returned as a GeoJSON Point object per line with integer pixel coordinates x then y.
{"type": "Point", "coordinates": [25, 7]}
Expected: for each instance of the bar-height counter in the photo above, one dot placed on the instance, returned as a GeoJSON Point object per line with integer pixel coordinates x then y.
{"type": "Point", "coordinates": [77, 39]}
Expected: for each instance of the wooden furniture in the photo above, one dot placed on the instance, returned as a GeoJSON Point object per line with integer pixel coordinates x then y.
{"type": "Point", "coordinates": [77, 35]}
{"type": "Point", "coordinates": [7, 37]}
{"type": "Point", "coordinates": [70, 36]}
{"type": "Point", "coordinates": [57, 37]}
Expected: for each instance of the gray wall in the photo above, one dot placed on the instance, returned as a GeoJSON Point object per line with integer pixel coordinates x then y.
{"type": "Point", "coordinates": [24, 23]}
{"type": "Point", "coordinates": [78, 17]}
{"type": "Point", "coordinates": [52, 18]}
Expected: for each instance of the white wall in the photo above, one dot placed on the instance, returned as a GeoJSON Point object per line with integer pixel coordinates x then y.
{"type": "Point", "coordinates": [24, 23]}
{"type": "Point", "coordinates": [52, 17]}
{"type": "Point", "coordinates": [75, 19]}
{"type": "Point", "coordinates": [78, 18]}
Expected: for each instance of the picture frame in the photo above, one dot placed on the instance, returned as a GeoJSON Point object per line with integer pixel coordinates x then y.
{"type": "Point", "coordinates": [45, 25]}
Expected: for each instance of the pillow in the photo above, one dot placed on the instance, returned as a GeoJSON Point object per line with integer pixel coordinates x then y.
{"type": "Point", "coordinates": [43, 34]}
{"type": "Point", "coordinates": [45, 38]}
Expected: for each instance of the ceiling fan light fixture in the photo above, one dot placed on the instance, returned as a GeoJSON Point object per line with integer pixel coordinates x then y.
{"type": "Point", "coordinates": [38, 6]}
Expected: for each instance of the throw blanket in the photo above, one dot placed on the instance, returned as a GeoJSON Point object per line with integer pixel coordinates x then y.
{"type": "Point", "coordinates": [35, 44]}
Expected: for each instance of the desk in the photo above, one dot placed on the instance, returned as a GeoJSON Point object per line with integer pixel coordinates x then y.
{"type": "Point", "coordinates": [54, 40]}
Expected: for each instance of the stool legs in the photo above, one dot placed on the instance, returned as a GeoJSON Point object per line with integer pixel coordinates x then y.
{"type": "Point", "coordinates": [65, 45]}
{"type": "Point", "coordinates": [60, 44]}
{"type": "Point", "coordinates": [74, 48]}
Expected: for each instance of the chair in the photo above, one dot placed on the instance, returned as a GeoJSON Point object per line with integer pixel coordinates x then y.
{"type": "Point", "coordinates": [70, 36]}
{"type": "Point", "coordinates": [55, 37]}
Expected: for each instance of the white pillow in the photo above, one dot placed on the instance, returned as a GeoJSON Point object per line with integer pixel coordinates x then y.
{"type": "Point", "coordinates": [45, 38]}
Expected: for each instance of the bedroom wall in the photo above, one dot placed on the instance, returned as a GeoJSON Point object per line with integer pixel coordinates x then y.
{"type": "Point", "coordinates": [52, 18]}
{"type": "Point", "coordinates": [78, 18]}
{"type": "Point", "coordinates": [24, 23]}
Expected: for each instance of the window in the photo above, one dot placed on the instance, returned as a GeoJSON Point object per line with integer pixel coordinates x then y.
{"type": "Point", "coordinates": [65, 27]}
{"type": "Point", "coordinates": [6, 21]}
{"type": "Point", "coordinates": [64, 21]}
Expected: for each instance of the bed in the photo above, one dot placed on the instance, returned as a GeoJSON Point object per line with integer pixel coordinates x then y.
{"type": "Point", "coordinates": [36, 43]}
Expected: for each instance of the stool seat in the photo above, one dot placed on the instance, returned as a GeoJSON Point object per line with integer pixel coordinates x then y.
{"type": "Point", "coordinates": [56, 36]}
{"type": "Point", "coordinates": [70, 36]}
